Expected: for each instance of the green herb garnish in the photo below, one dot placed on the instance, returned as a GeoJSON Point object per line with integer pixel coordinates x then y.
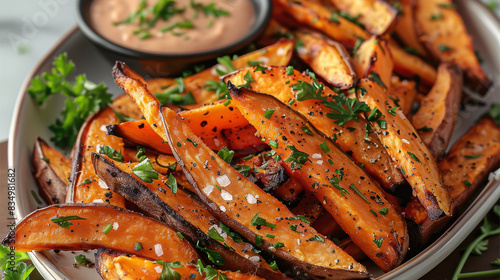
{"type": "Point", "coordinates": [111, 153]}
{"type": "Point", "coordinates": [345, 109]}
{"type": "Point", "coordinates": [64, 221]}
{"type": "Point", "coordinates": [258, 221]}
{"type": "Point", "coordinates": [145, 171]}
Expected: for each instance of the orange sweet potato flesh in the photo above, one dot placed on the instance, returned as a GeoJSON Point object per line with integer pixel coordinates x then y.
{"type": "Point", "coordinates": [447, 40]}
{"type": "Point", "coordinates": [51, 170]}
{"type": "Point", "coordinates": [471, 159]}
{"type": "Point", "coordinates": [84, 186]}
{"type": "Point", "coordinates": [279, 53]}
{"type": "Point", "coordinates": [403, 92]}
{"type": "Point", "coordinates": [376, 15]}
{"type": "Point", "coordinates": [235, 204]}
{"type": "Point", "coordinates": [368, 152]}
{"type": "Point", "coordinates": [374, 58]}
{"type": "Point", "coordinates": [182, 213]}
{"type": "Point", "coordinates": [438, 110]}
{"type": "Point", "coordinates": [355, 194]}
{"type": "Point", "coordinates": [112, 265]}
{"type": "Point", "coordinates": [326, 225]}
{"type": "Point", "coordinates": [36, 232]}
{"type": "Point", "coordinates": [327, 58]}
{"type": "Point", "coordinates": [404, 28]}
{"type": "Point", "coordinates": [410, 153]}
{"type": "Point", "coordinates": [316, 15]}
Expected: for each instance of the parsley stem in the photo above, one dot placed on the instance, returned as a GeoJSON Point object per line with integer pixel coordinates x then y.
{"type": "Point", "coordinates": [469, 249]}
{"type": "Point", "coordinates": [479, 273]}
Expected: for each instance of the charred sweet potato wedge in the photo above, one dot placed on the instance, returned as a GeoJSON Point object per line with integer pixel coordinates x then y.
{"type": "Point", "coordinates": [436, 118]}
{"type": "Point", "coordinates": [183, 214]}
{"type": "Point", "coordinates": [351, 136]}
{"type": "Point", "coordinates": [377, 16]}
{"type": "Point", "coordinates": [51, 170]}
{"type": "Point", "coordinates": [201, 85]}
{"type": "Point", "coordinates": [403, 93]}
{"type": "Point", "coordinates": [404, 29]}
{"type": "Point", "coordinates": [465, 168]}
{"type": "Point", "coordinates": [342, 186]}
{"type": "Point", "coordinates": [407, 149]}
{"type": "Point", "coordinates": [373, 59]}
{"type": "Point", "coordinates": [83, 226]}
{"type": "Point", "coordinates": [326, 58]}
{"type": "Point", "coordinates": [84, 184]}
{"type": "Point", "coordinates": [112, 265]}
{"type": "Point", "coordinates": [442, 31]}
{"type": "Point", "coordinates": [236, 201]}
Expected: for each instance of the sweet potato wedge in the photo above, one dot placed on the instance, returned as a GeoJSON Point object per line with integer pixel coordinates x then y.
{"type": "Point", "coordinates": [279, 53]}
{"type": "Point", "coordinates": [243, 206]}
{"type": "Point", "coordinates": [345, 190]}
{"type": "Point", "coordinates": [183, 214]}
{"type": "Point", "coordinates": [83, 226]}
{"type": "Point", "coordinates": [376, 16]}
{"type": "Point", "coordinates": [51, 170]}
{"type": "Point", "coordinates": [436, 118]}
{"type": "Point", "coordinates": [373, 58]}
{"type": "Point", "coordinates": [112, 265]}
{"type": "Point", "coordinates": [442, 31]}
{"type": "Point", "coordinates": [404, 29]}
{"type": "Point", "coordinates": [351, 136]}
{"type": "Point", "coordinates": [84, 184]}
{"type": "Point", "coordinates": [403, 92]}
{"type": "Point", "coordinates": [408, 150]}
{"type": "Point", "coordinates": [465, 169]}
{"type": "Point", "coordinates": [326, 225]}
{"type": "Point", "coordinates": [326, 58]}
{"type": "Point", "coordinates": [243, 141]}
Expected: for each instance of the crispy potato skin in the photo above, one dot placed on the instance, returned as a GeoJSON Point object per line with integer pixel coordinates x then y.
{"type": "Point", "coordinates": [327, 58]}
{"type": "Point", "coordinates": [447, 40]}
{"type": "Point", "coordinates": [439, 109]}
{"type": "Point", "coordinates": [344, 202]}
{"type": "Point", "coordinates": [112, 265]}
{"type": "Point", "coordinates": [182, 213]}
{"type": "Point", "coordinates": [408, 150]}
{"type": "Point", "coordinates": [376, 15]}
{"type": "Point", "coordinates": [52, 177]}
{"type": "Point", "coordinates": [316, 259]}
{"type": "Point", "coordinates": [459, 166]}
{"type": "Point", "coordinates": [36, 232]}
{"type": "Point", "coordinates": [369, 152]}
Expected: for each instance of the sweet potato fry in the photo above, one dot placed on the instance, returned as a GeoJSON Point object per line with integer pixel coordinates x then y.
{"type": "Point", "coordinates": [51, 170]}
{"type": "Point", "coordinates": [326, 58]}
{"type": "Point", "coordinates": [436, 118]}
{"type": "Point", "coordinates": [403, 93]}
{"type": "Point", "coordinates": [351, 136]}
{"type": "Point", "coordinates": [443, 33]}
{"type": "Point", "coordinates": [318, 257]}
{"type": "Point", "coordinates": [404, 29]}
{"type": "Point", "coordinates": [376, 16]}
{"type": "Point", "coordinates": [183, 214]}
{"type": "Point", "coordinates": [112, 265]}
{"type": "Point", "coordinates": [90, 226]}
{"type": "Point", "coordinates": [373, 59]}
{"type": "Point", "coordinates": [465, 168]}
{"type": "Point", "coordinates": [323, 169]}
{"type": "Point", "coordinates": [408, 150]}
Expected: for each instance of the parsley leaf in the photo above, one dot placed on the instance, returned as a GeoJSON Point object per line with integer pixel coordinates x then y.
{"type": "Point", "coordinates": [111, 153]}
{"type": "Point", "coordinates": [226, 154]}
{"type": "Point", "coordinates": [173, 94]}
{"type": "Point", "coordinates": [219, 87]}
{"type": "Point", "coordinates": [414, 157]}
{"type": "Point", "coordinates": [82, 260]}
{"type": "Point", "coordinates": [63, 221]}
{"type": "Point", "coordinates": [306, 91]}
{"type": "Point", "coordinates": [378, 241]}
{"type": "Point", "coordinates": [82, 99]}
{"type": "Point", "coordinates": [172, 183]}
{"type": "Point", "coordinates": [376, 78]}
{"type": "Point", "coordinates": [145, 171]}
{"type": "Point", "coordinates": [212, 255]}
{"type": "Point", "coordinates": [167, 273]}
{"type": "Point", "coordinates": [345, 109]}
{"type": "Point", "coordinates": [297, 158]}
{"type": "Point", "coordinates": [258, 221]}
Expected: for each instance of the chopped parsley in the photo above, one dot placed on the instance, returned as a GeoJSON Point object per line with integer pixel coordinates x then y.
{"type": "Point", "coordinates": [414, 157]}
{"type": "Point", "coordinates": [383, 211]}
{"type": "Point", "coordinates": [324, 147]}
{"type": "Point", "coordinates": [82, 260]}
{"type": "Point", "coordinates": [173, 94]}
{"type": "Point", "coordinates": [473, 156]}
{"type": "Point", "coordinates": [378, 241]}
{"type": "Point", "coordinates": [306, 91]}
{"type": "Point", "coordinates": [258, 221]}
{"type": "Point", "coordinates": [352, 186]}
{"type": "Point", "coordinates": [226, 154]}
{"type": "Point", "coordinates": [167, 273]}
{"type": "Point", "coordinates": [376, 78]}
{"type": "Point", "coordinates": [65, 221]}
{"type": "Point", "coordinates": [307, 130]}
{"type": "Point", "coordinates": [317, 238]}
{"type": "Point", "coordinates": [172, 183]}
{"type": "Point", "coordinates": [345, 109]}
{"type": "Point", "coordinates": [289, 70]}
{"type": "Point", "coordinates": [107, 229]}
{"type": "Point", "coordinates": [424, 129]}
{"type": "Point", "coordinates": [444, 48]}
{"type": "Point", "coordinates": [212, 233]}
{"type": "Point", "coordinates": [212, 255]}
{"type": "Point", "coordinates": [268, 113]}
{"type": "Point", "coordinates": [111, 153]}
{"type": "Point", "coordinates": [297, 158]}
{"type": "Point", "coordinates": [145, 171]}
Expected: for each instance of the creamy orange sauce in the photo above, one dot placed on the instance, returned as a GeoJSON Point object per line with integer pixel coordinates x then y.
{"type": "Point", "coordinates": [209, 32]}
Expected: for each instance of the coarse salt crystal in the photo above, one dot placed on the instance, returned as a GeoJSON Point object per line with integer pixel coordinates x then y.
{"type": "Point", "coordinates": [103, 128]}
{"type": "Point", "coordinates": [405, 141]}
{"type": "Point", "coordinates": [222, 208]}
{"type": "Point", "coordinates": [158, 269]}
{"type": "Point", "coordinates": [316, 155]}
{"type": "Point", "coordinates": [299, 242]}
{"type": "Point", "coordinates": [98, 200]}
{"type": "Point", "coordinates": [158, 250]}
{"type": "Point", "coordinates": [223, 180]}
{"type": "Point", "coordinates": [281, 51]}
{"type": "Point", "coordinates": [225, 195]}
{"type": "Point", "coordinates": [254, 258]}
{"type": "Point", "coordinates": [102, 184]}
{"type": "Point", "coordinates": [250, 199]}
{"type": "Point", "coordinates": [98, 147]}
{"type": "Point", "coordinates": [319, 162]}
{"type": "Point", "coordinates": [208, 189]}
{"type": "Point", "coordinates": [115, 225]}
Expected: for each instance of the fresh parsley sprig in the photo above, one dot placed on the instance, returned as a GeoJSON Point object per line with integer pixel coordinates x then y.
{"type": "Point", "coordinates": [345, 109]}
{"type": "Point", "coordinates": [173, 94]}
{"type": "Point", "coordinates": [167, 272]}
{"type": "Point", "coordinates": [82, 98]}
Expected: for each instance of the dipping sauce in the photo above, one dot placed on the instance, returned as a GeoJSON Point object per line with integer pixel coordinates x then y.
{"type": "Point", "coordinates": [190, 25]}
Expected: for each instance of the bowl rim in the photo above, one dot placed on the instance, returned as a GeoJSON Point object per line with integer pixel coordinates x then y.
{"type": "Point", "coordinates": [262, 19]}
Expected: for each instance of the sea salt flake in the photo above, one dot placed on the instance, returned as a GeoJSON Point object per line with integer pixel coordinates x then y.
{"type": "Point", "coordinates": [226, 195]}
{"type": "Point", "coordinates": [208, 189]}
{"type": "Point", "coordinates": [222, 208]}
{"type": "Point", "coordinates": [251, 199]}
{"type": "Point", "coordinates": [102, 184]}
{"type": "Point", "coordinates": [405, 141]}
{"type": "Point", "coordinates": [158, 250]}
{"type": "Point", "coordinates": [98, 200]}
{"type": "Point", "coordinates": [115, 225]}
{"type": "Point", "coordinates": [254, 258]}
{"type": "Point", "coordinates": [158, 269]}
{"type": "Point", "coordinates": [223, 180]}
{"type": "Point", "coordinates": [316, 155]}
